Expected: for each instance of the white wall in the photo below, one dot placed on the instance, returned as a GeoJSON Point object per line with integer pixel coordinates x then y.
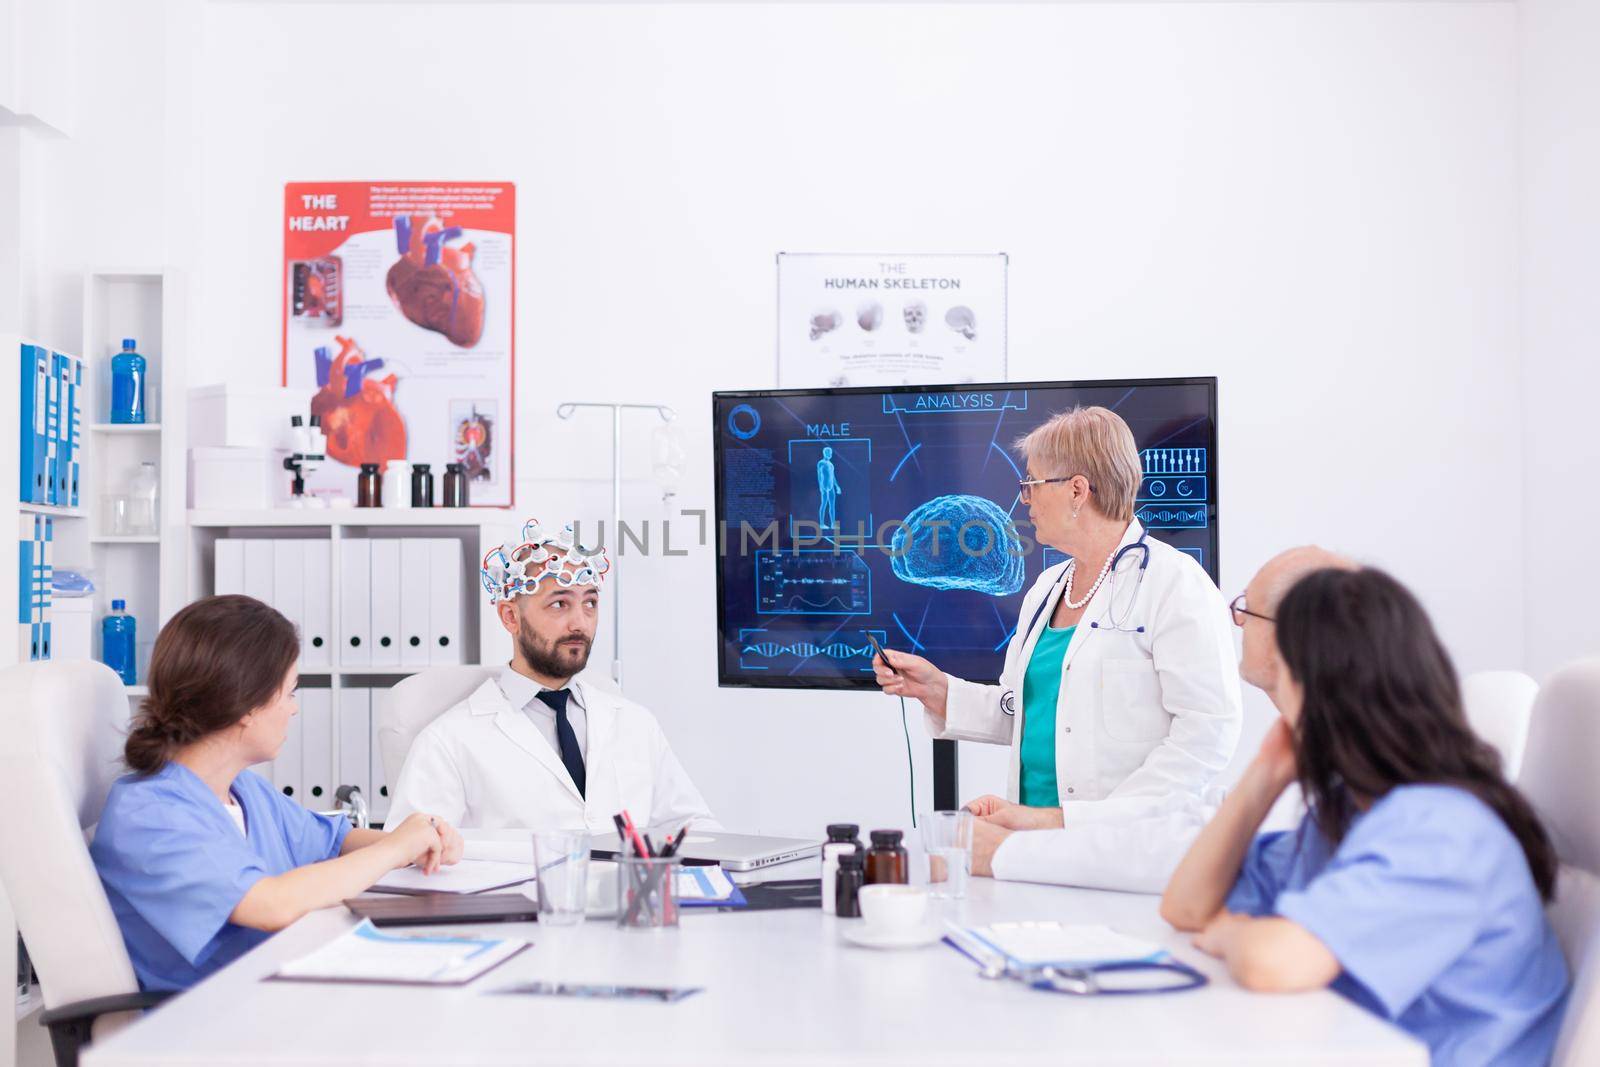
{"type": "Point", "coordinates": [1315, 202]}
{"type": "Point", "coordinates": [1559, 119]}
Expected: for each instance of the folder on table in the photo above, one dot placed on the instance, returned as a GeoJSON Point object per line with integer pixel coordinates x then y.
{"type": "Point", "coordinates": [385, 601]}
{"type": "Point", "coordinates": [316, 637]}
{"type": "Point", "coordinates": [355, 602]}
{"type": "Point", "coordinates": [355, 740]}
{"type": "Point", "coordinates": [258, 580]}
{"type": "Point", "coordinates": [366, 954]}
{"type": "Point", "coordinates": [415, 591]}
{"type": "Point", "coordinates": [444, 600]}
{"type": "Point", "coordinates": [316, 754]}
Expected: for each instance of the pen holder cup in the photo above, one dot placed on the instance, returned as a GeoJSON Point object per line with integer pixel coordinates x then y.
{"type": "Point", "coordinates": [647, 892]}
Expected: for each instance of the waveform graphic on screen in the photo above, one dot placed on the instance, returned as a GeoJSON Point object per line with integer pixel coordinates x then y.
{"type": "Point", "coordinates": [896, 513]}
{"type": "Point", "coordinates": [813, 582]}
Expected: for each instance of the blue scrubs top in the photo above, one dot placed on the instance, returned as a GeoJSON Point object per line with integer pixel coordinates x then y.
{"type": "Point", "coordinates": [175, 866]}
{"type": "Point", "coordinates": [1041, 692]}
{"type": "Point", "coordinates": [1430, 908]}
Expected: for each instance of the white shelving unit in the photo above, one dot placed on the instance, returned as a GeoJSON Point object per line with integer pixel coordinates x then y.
{"type": "Point", "coordinates": [476, 529]}
{"type": "Point", "coordinates": [146, 570]}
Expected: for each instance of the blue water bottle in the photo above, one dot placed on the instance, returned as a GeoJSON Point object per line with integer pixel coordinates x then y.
{"type": "Point", "coordinates": [117, 642]}
{"type": "Point", "coordinates": [127, 384]}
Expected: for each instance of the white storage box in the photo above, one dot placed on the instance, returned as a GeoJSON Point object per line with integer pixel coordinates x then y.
{"type": "Point", "coordinates": [236, 478]}
{"type": "Point", "coordinates": [232, 416]}
{"type": "Point", "coordinates": [71, 627]}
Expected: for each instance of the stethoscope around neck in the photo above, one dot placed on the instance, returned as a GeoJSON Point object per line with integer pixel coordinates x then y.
{"type": "Point", "coordinates": [1109, 619]}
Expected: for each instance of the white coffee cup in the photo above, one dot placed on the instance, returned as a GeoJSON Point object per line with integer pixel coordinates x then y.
{"type": "Point", "coordinates": [893, 908]}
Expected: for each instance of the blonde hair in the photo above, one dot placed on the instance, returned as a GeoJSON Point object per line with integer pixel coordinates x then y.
{"type": "Point", "coordinates": [1095, 443]}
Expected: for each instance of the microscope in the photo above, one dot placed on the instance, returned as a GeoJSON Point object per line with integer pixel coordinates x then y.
{"type": "Point", "coordinates": [310, 452]}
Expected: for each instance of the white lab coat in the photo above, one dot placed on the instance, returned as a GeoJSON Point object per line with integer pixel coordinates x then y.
{"type": "Point", "coordinates": [484, 765]}
{"type": "Point", "coordinates": [1144, 723]}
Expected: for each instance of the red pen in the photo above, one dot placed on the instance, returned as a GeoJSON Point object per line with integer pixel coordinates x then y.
{"type": "Point", "coordinates": [633, 835]}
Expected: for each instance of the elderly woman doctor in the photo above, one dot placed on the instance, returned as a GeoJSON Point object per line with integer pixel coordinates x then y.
{"type": "Point", "coordinates": [1119, 696]}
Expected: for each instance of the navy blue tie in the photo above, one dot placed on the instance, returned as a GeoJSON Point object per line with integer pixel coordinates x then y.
{"type": "Point", "coordinates": [566, 737]}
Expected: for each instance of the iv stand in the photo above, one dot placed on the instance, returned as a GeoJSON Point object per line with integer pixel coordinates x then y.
{"type": "Point", "coordinates": [566, 411]}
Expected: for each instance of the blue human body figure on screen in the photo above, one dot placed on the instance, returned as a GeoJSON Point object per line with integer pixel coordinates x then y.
{"type": "Point", "coordinates": [828, 491]}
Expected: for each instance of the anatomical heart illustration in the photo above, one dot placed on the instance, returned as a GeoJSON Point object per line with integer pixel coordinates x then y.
{"type": "Point", "coordinates": [432, 283]}
{"type": "Point", "coordinates": [416, 282]}
{"type": "Point", "coordinates": [357, 407]}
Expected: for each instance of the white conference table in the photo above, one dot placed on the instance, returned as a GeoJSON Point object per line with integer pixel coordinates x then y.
{"type": "Point", "coordinates": [781, 987]}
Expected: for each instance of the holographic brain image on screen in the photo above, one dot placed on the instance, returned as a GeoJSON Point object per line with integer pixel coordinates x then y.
{"type": "Point", "coordinates": [895, 513]}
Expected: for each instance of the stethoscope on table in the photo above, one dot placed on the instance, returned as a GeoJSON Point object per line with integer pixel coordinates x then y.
{"type": "Point", "coordinates": [1164, 974]}
{"type": "Point", "coordinates": [1111, 619]}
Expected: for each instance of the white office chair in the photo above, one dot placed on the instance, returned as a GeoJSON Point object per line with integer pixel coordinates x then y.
{"type": "Point", "coordinates": [61, 732]}
{"type": "Point", "coordinates": [1498, 704]}
{"type": "Point", "coordinates": [1558, 776]}
{"type": "Point", "coordinates": [412, 703]}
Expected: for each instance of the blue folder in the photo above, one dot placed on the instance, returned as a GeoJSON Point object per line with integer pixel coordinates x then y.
{"type": "Point", "coordinates": [33, 487]}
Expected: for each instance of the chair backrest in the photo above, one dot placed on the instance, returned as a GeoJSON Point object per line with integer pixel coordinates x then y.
{"type": "Point", "coordinates": [1498, 704]}
{"type": "Point", "coordinates": [62, 726]}
{"type": "Point", "coordinates": [414, 702]}
{"type": "Point", "coordinates": [1558, 777]}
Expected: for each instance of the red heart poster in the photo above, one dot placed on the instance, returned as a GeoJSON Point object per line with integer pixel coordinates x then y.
{"type": "Point", "coordinates": [398, 316]}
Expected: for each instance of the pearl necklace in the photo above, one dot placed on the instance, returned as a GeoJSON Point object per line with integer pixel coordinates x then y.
{"type": "Point", "coordinates": [1072, 569]}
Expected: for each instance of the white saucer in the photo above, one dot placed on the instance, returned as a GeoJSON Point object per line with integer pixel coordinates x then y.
{"type": "Point", "coordinates": [858, 933]}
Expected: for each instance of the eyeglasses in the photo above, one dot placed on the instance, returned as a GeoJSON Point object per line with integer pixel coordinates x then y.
{"type": "Point", "coordinates": [1025, 486]}
{"type": "Point", "coordinates": [1240, 611]}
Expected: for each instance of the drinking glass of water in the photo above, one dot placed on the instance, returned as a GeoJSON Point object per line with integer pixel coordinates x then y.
{"type": "Point", "coordinates": [561, 858]}
{"type": "Point", "coordinates": [947, 839]}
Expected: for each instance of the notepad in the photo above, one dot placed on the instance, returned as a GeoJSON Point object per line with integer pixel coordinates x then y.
{"type": "Point", "coordinates": [468, 876]}
{"type": "Point", "coordinates": [367, 954]}
{"type": "Point", "coordinates": [704, 885]}
{"type": "Point", "coordinates": [1032, 944]}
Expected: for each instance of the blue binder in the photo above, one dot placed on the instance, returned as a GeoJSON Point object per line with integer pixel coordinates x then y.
{"type": "Point", "coordinates": [33, 584]}
{"type": "Point", "coordinates": [66, 426]}
{"type": "Point", "coordinates": [33, 487]}
{"type": "Point", "coordinates": [52, 427]}
{"type": "Point", "coordinates": [75, 428]}
{"type": "Point", "coordinates": [47, 576]}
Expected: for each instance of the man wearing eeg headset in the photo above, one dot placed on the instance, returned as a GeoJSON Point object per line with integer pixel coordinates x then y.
{"type": "Point", "coordinates": [535, 746]}
{"type": "Point", "coordinates": [1119, 696]}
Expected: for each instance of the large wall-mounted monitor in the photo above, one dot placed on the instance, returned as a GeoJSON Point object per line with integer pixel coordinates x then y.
{"type": "Point", "coordinates": [831, 503]}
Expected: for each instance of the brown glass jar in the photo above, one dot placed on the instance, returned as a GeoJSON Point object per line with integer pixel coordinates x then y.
{"type": "Point", "coordinates": [369, 487]}
{"type": "Point", "coordinates": [888, 862]}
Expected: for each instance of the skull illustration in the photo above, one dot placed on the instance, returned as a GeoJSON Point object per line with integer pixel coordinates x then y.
{"type": "Point", "coordinates": [916, 314]}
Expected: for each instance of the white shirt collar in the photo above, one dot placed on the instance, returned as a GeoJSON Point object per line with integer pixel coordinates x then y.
{"type": "Point", "coordinates": [520, 690]}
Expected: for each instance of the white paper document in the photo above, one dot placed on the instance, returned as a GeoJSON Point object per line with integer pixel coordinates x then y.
{"type": "Point", "coordinates": [1031, 944]}
{"type": "Point", "coordinates": [367, 954]}
{"type": "Point", "coordinates": [468, 876]}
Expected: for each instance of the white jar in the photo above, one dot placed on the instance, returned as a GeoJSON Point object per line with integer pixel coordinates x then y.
{"type": "Point", "coordinates": [397, 485]}
{"type": "Point", "coordinates": [143, 516]}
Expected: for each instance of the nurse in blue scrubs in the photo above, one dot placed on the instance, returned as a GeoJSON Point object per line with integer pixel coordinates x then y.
{"type": "Point", "coordinates": [201, 858]}
{"type": "Point", "coordinates": [1416, 883]}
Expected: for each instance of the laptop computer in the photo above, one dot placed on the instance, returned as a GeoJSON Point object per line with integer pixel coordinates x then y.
{"type": "Point", "coordinates": [735, 852]}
